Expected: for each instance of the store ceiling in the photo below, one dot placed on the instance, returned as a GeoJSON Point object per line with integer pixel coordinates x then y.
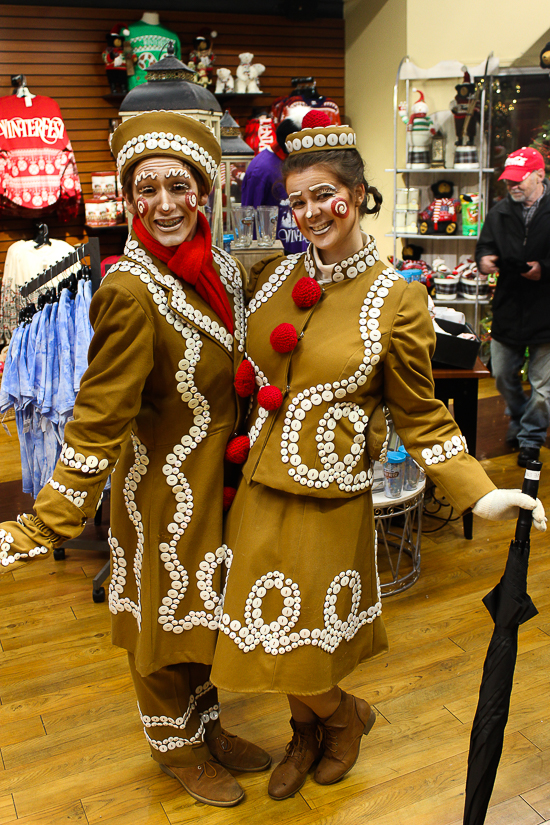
{"type": "Point", "coordinates": [293, 9]}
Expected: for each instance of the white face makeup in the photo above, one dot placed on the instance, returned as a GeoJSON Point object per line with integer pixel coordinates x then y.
{"type": "Point", "coordinates": [323, 185]}
{"type": "Point", "coordinates": [162, 192]}
{"type": "Point", "coordinates": [144, 175]}
{"type": "Point", "coordinates": [184, 173]}
{"type": "Point", "coordinates": [312, 193]}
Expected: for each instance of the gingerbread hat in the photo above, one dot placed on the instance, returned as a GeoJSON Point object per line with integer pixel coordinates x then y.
{"type": "Point", "coordinates": [318, 135]}
{"type": "Point", "coordinates": [169, 134]}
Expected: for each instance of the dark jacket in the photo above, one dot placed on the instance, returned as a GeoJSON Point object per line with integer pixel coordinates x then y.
{"type": "Point", "coordinates": [521, 307]}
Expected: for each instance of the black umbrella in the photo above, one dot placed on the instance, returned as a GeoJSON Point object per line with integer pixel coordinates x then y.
{"type": "Point", "coordinates": [509, 606]}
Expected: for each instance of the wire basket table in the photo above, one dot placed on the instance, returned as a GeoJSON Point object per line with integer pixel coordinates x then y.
{"type": "Point", "coordinates": [398, 523]}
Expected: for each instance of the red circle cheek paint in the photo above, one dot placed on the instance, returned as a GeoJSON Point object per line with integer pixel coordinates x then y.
{"type": "Point", "coordinates": [340, 208]}
{"type": "Point", "coordinates": [142, 206]}
{"type": "Point", "coordinates": [191, 200]}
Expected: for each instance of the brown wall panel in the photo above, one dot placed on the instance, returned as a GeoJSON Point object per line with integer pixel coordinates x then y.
{"type": "Point", "coordinates": [59, 51]}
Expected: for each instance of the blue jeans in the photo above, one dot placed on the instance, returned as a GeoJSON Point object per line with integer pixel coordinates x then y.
{"type": "Point", "coordinates": [529, 415]}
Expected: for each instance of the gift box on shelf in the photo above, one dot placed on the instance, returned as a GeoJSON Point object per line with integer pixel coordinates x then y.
{"type": "Point", "coordinates": [450, 350]}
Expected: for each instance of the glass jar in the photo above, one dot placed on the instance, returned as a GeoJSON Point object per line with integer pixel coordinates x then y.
{"type": "Point", "coordinates": [411, 478]}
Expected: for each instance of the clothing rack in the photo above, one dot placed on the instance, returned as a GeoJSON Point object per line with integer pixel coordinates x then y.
{"type": "Point", "coordinates": [87, 250]}
{"type": "Point", "coordinates": [90, 250]}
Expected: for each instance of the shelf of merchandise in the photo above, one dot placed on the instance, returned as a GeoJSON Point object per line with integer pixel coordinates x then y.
{"type": "Point", "coordinates": [440, 170]}
{"type": "Point", "coordinates": [407, 72]}
{"type": "Point", "coordinates": [431, 237]}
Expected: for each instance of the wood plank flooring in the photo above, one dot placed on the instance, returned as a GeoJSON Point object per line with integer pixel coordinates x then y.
{"type": "Point", "coordinates": [72, 749]}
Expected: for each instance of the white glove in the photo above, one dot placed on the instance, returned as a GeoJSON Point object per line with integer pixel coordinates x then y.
{"type": "Point", "coordinates": [504, 504]}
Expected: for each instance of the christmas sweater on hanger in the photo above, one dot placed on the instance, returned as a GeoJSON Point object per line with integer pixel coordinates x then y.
{"type": "Point", "coordinates": [37, 165]}
{"type": "Point", "coordinates": [149, 44]}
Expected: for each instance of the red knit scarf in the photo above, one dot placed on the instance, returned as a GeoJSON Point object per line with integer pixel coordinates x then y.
{"type": "Point", "coordinates": [192, 262]}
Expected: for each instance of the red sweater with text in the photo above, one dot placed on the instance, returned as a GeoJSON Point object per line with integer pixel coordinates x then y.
{"type": "Point", "coordinates": [37, 165]}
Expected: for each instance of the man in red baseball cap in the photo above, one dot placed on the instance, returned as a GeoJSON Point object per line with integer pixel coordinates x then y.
{"type": "Point", "coordinates": [515, 242]}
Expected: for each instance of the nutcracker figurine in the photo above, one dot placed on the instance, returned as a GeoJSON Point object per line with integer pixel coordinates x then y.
{"type": "Point", "coordinates": [466, 110]}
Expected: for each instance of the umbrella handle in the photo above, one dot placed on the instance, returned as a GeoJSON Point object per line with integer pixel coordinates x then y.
{"type": "Point", "coordinates": [530, 487]}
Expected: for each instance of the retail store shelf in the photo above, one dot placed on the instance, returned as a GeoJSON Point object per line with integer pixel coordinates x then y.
{"type": "Point", "coordinates": [440, 171]}
{"type": "Point", "coordinates": [433, 237]}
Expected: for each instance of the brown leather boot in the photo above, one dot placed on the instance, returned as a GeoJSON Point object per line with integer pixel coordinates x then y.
{"type": "Point", "coordinates": [342, 738]}
{"type": "Point", "coordinates": [237, 754]}
{"type": "Point", "coordinates": [209, 783]}
{"type": "Point", "coordinates": [301, 752]}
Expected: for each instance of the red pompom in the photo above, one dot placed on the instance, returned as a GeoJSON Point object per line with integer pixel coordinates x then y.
{"type": "Point", "coordinates": [306, 292]}
{"type": "Point", "coordinates": [315, 118]}
{"type": "Point", "coordinates": [270, 398]}
{"type": "Point", "coordinates": [245, 379]}
{"type": "Point", "coordinates": [283, 338]}
{"type": "Point", "coordinates": [237, 449]}
{"type": "Point", "coordinates": [228, 496]}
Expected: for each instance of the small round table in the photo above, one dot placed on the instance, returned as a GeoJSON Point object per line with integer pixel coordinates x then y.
{"type": "Point", "coordinates": [396, 520]}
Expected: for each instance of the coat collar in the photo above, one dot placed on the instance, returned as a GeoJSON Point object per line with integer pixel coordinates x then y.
{"type": "Point", "coordinates": [178, 300]}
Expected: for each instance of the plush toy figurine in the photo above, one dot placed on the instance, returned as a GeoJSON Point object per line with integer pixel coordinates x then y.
{"type": "Point", "coordinates": [247, 75]}
{"type": "Point", "coordinates": [225, 82]}
{"type": "Point", "coordinates": [420, 130]}
{"type": "Point", "coordinates": [440, 217]}
{"type": "Point", "coordinates": [115, 60]}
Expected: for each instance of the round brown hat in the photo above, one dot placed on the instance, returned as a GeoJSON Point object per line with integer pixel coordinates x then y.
{"type": "Point", "coordinates": [165, 133]}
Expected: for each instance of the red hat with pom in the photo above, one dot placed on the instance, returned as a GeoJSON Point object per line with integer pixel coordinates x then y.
{"type": "Point", "coordinates": [318, 134]}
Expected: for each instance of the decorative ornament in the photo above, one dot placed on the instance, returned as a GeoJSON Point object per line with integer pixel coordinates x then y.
{"type": "Point", "coordinates": [420, 129]}
{"type": "Point", "coordinates": [191, 201]}
{"type": "Point", "coordinates": [284, 338]}
{"type": "Point", "coordinates": [270, 398]}
{"type": "Point", "coordinates": [441, 216]}
{"type": "Point", "coordinates": [237, 449]}
{"type": "Point", "coordinates": [339, 207]}
{"type": "Point", "coordinates": [306, 292]}
{"type": "Point", "coordinates": [143, 206]}
{"type": "Point", "coordinates": [466, 109]}
{"type": "Point", "coordinates": [245, 379]}
{"type": "Point", "coordinates": [228, 496]}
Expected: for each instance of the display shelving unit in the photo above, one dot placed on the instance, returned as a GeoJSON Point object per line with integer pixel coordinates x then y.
{"type": "Point", "coordinates": [466, 179]}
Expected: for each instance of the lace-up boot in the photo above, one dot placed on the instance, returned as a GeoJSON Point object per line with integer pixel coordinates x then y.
{"type": "Point", "coordinates": [342, 734]}
{"type": "Point", "coordinates": [301, 752]}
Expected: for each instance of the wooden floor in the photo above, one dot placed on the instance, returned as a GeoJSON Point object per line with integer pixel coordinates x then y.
{"type": "Point", "coordinates": [72, 749]}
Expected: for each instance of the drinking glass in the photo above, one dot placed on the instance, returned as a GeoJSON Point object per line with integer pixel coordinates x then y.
{"type": "Point", "coordinates": [243, 222]}
{"type": "Point", "coordinates": [266, 224]}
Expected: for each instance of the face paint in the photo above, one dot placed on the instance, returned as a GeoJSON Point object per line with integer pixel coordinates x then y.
{"type": "Point", "coordinates": [191, 200]}
{"type": "Point", "coordinates": [309, 215]}
{"type": "Point", "coordinates": [322, 186]}
{"type": "Point", "coordinates": [143, 206]}
{"type": "Point", "coordinates": [296, 221]}
{"type": "Point", "coordinates": [340, 208]}
{"type": "Point", "coordinates": [165, 207]}
{"type": "Point", "coordinates": [173, 172]}
{"type": "Point", "coordinates": [143, 175]}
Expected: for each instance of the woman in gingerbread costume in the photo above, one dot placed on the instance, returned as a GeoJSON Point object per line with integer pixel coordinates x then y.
{"type": "Point", "coordinates": [156, 408]}
{"type": "Point", "coordinates": [336, 341]}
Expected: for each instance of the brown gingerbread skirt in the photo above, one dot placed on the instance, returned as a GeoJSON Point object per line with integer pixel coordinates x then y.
{"type": "Point", "coordinates": [302, 604]}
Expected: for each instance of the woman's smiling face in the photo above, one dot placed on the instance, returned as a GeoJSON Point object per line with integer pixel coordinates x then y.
{"type": "Point", "coordinates": [326, 212]}
{"type": "Point", "coordinates": [166, 196]}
